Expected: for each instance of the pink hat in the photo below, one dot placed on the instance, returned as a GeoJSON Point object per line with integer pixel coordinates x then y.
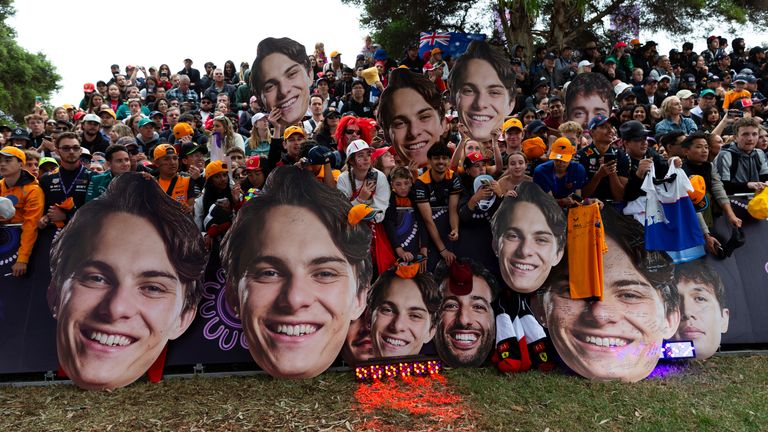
{"type": "Point", "coordinates": [620, 44]}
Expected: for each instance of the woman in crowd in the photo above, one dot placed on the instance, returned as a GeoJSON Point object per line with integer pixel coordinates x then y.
{"type": "Point", "coordinates": [353, 128]}
{"type": "Point", "coordinates": [261, 136]}
{"type": "Point", "coordinates": [222, 128]}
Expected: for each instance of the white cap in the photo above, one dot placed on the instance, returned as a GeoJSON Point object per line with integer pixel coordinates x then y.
{"type": "Point", "coordinates": [620, 87]}
{"type": "Point", "coordinates": [356, 146]}
{"type": "Point", "coordinates": [585, 63]}
{"type": "Point", "coordinates": [84, 151]}
{"type": "Point", "coordinates": [92, 118]}
{"type": "Point", "coordinates": [256, 117]}
{"type": "Point", "coordinates": [665, 77]}
{"type": "Point", "coordinates": [684, 94]}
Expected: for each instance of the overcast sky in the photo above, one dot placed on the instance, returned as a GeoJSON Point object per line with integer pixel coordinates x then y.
{"type": "Point", "coordinates": [84, 37]}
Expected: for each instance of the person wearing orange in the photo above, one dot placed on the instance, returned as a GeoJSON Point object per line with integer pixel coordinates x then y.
{"type": "Point", "coordinates": [22, 188]}
{"type": "Point", "coordinates": [178, 187]}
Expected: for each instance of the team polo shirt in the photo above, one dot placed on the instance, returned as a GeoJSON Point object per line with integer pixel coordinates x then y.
{"type": "Point", "coordinates": [589, 158]}
{"type": "Point", "coordinates": [436, 193]}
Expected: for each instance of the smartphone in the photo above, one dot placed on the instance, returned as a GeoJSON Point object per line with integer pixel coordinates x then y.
{"type": "Point", "coordinates": [609, 157]}
{"type": "Point", "coordinates": [371, 176]}
{"type": "Point", "coordinates": [485, 182]}
{"type": "Point", "coordinates": [735, 113]}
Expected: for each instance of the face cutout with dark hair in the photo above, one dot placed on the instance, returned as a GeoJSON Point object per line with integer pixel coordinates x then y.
{"type": "Point", "coordinates": [133, 284]}
{"type": "Point", "coordinates": [482, 88]}
{"type": "Point", "coordinates": [281, 77]}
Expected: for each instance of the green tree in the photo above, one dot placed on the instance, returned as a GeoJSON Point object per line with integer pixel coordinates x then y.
{"type": "Point", "coordinates": [556, 23]}
{"type": "Point", "coordinates": [23, 75]}
{"type": "Point", "coordinates": [396, 24]}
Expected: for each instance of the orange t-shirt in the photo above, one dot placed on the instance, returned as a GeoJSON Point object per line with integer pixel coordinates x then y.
{"type": "Point", "coordinates": [586, 246]}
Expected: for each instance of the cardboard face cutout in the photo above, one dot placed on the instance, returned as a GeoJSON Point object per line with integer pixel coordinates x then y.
{"type": "Point", "coordinates": [281, 77]}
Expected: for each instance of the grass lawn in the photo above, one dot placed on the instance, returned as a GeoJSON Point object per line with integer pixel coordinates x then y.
{"type": "Point", "coordinates": [722, 394]}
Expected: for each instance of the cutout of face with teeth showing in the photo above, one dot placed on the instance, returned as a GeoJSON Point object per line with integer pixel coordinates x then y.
{"type": "Point", "coordinates": [415, 126]}
{"type": "Point", "coordinates": [618, 338]}
{"type": "Point", "coordinates": [401, 323]}
{"type": "Point", "coordinates": [120, 308]}
{"type": "Point", "coordinates": [527, 249]}
{"type": "Point", "coordinates": [482, 100]}
{"type": "Point", "coordinates": [466, 328]}
{"type": "Point", "coordinates": [297, 297]}
{"type": "Point", "coordinates": [286, 86]}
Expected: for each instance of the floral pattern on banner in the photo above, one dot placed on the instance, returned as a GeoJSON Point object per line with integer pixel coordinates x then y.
{"type": "Point", "coordinates": [221, 322]}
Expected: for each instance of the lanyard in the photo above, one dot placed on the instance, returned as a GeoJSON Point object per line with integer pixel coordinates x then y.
{"type": "Point", "coordinates": [67, 190]}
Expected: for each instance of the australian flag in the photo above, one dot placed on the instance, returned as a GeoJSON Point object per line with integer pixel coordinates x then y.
{"type": "Point", "coordinates": [452, 44]}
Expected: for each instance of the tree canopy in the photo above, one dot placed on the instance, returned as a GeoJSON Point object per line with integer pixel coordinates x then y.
{"type": "Point", "coordinates": [23, 75]}
{"type": "Point", "coordinates": [553, 23]}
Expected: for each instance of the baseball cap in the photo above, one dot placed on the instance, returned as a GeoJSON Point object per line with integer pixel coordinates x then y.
{"type": "Point", "coordinates": [632, 129]}
{"type": "Point", "coordinates": [19, 133]}
{"type": "Point", "coordinates": [620, 88]}
{"type": "Point", "coordinates": [437, 51]}
{"type": "Point", "coordinates": [163, 150]}
{"type": "Point", "coordinates": [597, 120]}
{"type": "Point", "coordinates": [534, 148]}
{"type": "Point", "coordinates": [46, 160]}
{"type": "Point", "coordinates": [707, 92]}
{"type": "Point", "coordinates": [14, 152]}
{"type": "Point", "coordinates": [214, 168]}
{"type": "Point", "coordinates": [256, 117]}
{"type": "Point", "coordinates": [620, 44]}
{"type": "Point", "coordinates": [535, 126]}
{"type": "Point", "coordinates": [649, 79]}
{"type": "Point", "coordinates": [550, 56]}
{"type": "Point", "coordinates": [154, 114]}
{"type": "Point", "coordinates": [252, 99]}
{"type": "Point", "coordinates": [92, 118]}
{"type": "Point", "coordinates": [356, 146]}
{"type": "Point", "coordinates": [146, 121]}
{"type": "Point", "coordinates": [361, 213]}
{"type": "Point", "coordinates": [88, 88]}
{"type": "Point", "coordinates": [698, 194]}
{"type": "Point", "coordinates": [512, 123]}
{"type": "Point", "coordinates": [85, 154]}
{"type": "Point", "coordinates": [377, 153]}
{"type": "Point", "coordinates": [473, 157]}
{"type": "Point", "coordinates": [740, 78]}
{"type": "Point", "coordinates": [189, 149]}
{"type": "Point", "coordinates": [562, 149]}
{"type": "Point", "coordinates": [585, 63]}
{"type": "Point", "coordinates": [335, 53]}
{"type": "Point", "coordinates": [181, 130]}
{"type": "Point", "coordinates": [253, 163]}
{"type": "Point", "coordinates": [684, 94]}
{"type": "Point", "coordinates": [293, 130]}
{"type": "Point", "coordinates": [665, 77]}
{"type": "Point", "coordinates": [108, 111]}
{"type": "Point", "coordinates": [543, 81]}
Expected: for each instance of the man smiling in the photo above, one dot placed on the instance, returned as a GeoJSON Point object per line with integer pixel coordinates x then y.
{"type": "Point", "coordinates": [296, 291]}
{"type": "Point", "coordinates": [466, 327]}
{"type": "Point", "coordinates": [483, 89]}
{"type": "Point", "coordinates": [281, 77]}
{"type": "Point", "coordinates": [620, 336]}
{"type": "Point", "coordinates": [118, 299]}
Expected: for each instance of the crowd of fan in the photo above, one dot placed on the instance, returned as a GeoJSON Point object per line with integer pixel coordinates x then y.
{"type": "Point", "coordinates": [209, 143]}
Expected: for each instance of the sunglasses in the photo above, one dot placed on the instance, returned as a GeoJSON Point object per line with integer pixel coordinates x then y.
{"type": "Point", "coordinates": [69, 148]}
{"type": "Point", "coordinates": [352, 132]}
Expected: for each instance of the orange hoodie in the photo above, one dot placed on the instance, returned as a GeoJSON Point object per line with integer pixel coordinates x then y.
{"type": "Point", "coordinates": [29, 202]}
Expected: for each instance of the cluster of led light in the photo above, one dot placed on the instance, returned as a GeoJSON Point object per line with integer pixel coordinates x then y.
{"type": "Point", "coordinates": [399, 368]}
{"type": "Point", "coordinates": [673, 350]}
